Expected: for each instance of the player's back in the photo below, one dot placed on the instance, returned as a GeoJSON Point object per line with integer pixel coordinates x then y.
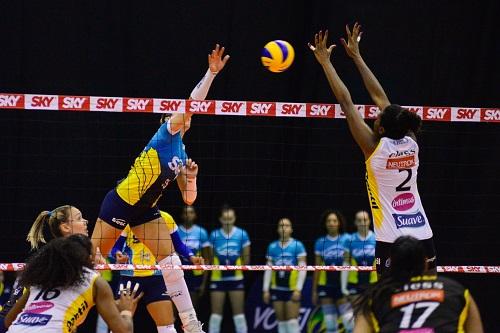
{"type": "Point", "coordinates": [57, 310]}
{"type": "Point", "coordinates": [427, 304]}
{"type": "Point", "coordinates": [391, 177]}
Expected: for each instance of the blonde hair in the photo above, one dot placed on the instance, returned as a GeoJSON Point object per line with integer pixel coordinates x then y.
{"type": "Point", "coordinates": [48, 219]}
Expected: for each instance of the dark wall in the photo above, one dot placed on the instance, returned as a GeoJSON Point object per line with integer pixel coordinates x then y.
{"type": "Point", "coordinates": [424, 54]}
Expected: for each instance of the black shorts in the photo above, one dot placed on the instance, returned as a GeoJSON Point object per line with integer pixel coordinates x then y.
{"type": "Point", "coordinates": [383, 253]}
{"type": "Point", "coordinates": [117, 213]}
{"type": "Point", "coordinates": [278, 295]}
{"type": "Point", "coordinates": [153, 287]}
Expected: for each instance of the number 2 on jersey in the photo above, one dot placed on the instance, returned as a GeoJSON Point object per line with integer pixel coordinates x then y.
{"type": "Point", "coordinates": [401, 187]}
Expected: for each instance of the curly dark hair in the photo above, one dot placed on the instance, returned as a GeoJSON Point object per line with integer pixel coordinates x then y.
{"type": "Point", "coordinates": [407, 260]}
{"type": "Point", "coordinates": [340, 217]}
{"type": "Point", "coordinates": [398, 122]}
{"type": "Point", "coordinates": [60, 263]}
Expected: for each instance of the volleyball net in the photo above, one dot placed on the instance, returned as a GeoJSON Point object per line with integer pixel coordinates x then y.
{"type": "Point", "coordinates": [276, 160]}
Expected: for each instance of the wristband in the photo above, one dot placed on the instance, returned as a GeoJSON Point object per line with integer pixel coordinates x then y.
{"type": "Point", "coordinates": [126, 313]}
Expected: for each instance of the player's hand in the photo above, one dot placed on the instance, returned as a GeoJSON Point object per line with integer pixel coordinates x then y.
{"type": "Point", "coordinates": [99, 258]}
{"type": "Point", "coordinates": [321, 52]}
{"type": "Point", "coordinates": [121, 258]}
{"type": "Point", "coordinates": [353, 38]}
{"type": "Point", "coordinates": [197, 260]}
{"type": "Point", "coordinates": [215, 60]}
{"type": "Point", "coordinates": [190, 170]}
{"type": "Point", "coordinates": [266, 297]}
{"type": "Point", "coordinates": [296, 296]}
{"type": "Point", "coordinates": [314, 298]}
{"type": "Point", "coordinates": [128, 297]}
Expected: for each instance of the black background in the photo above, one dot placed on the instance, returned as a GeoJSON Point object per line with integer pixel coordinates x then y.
{"type": "Point", "coordinates": [423, 53]}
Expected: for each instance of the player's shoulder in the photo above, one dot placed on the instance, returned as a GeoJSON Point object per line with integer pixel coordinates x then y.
{"type": "Point", "coordinates": [450, 283]}
{"type": "Point", "coordinates": [297, 243]}
{"type": "Point", "coordinates": [166, 216]}
{"type": "Point", "coordinates": [320, 240]}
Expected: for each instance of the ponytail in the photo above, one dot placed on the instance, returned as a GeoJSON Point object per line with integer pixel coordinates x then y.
{"type": "Point", "coordinates": [47, 225]}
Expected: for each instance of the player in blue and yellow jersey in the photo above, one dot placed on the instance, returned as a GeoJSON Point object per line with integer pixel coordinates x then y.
{"type": "Point", "coordinates": [231, 246]}
{"type": "Point", "coordinates": [130, 250]}
{"type": "Point", "coordinates": [361, 252]}
{"type": "Point", "coordinates": [330, 250]}
{"type": "Point", "coordinates": [134, 201]}
{"type": "Point", "coordinates": [196, 238]}
{"type": "Point", "coordinates": [285, 287]}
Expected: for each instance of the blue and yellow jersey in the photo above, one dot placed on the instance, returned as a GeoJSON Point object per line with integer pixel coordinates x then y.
{"type": "Point", "coordinates": [332, 252]}
{"type": "Point", "coordinates": [140, 254]}
{"type": "Point", "coordinates": [156, 167]}
{"type": "Point", "coordinates": [196, 238]}
{"type": "Point", "coordinates": [287, 255]}
{"type": "Point", "coordinates": [228, 250]}
{"type": "Point", "coordinates": [362, 253]}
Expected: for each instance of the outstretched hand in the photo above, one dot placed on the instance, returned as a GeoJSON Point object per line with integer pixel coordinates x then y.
{"type": "Point", "coordinates": [215, 60]}
{"type": "Point", "coordinates": [353, 39]}
{"type": "Point", "coordinates": [321, 52]}
{"type": "Point", "coordinates": [190, 170]}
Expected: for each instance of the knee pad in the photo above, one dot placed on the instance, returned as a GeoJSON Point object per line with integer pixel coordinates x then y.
{"type": "Point", "coordinates": [172, 275]}
{"type": "Point", "coordinates": [330, 315]}
{"type": "Point", "coordinates": [240, 323]}
{"type": "Point", "coordinates": [282, 327]}
{"type": "Point", "coordinates": [293, 326]}
{"type": "Point", "coordinates": [214, 323]}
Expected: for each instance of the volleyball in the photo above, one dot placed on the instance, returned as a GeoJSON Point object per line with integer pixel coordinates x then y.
{"type": "Point", "coordinates": [277, 56]}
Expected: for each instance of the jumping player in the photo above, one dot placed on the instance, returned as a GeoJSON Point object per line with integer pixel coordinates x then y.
{"type": "Point", "coordinates": [391, 155]}
{"type": "Point", "coordinates": [133, 201]}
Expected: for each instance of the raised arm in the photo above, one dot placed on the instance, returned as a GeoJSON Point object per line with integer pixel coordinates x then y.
{"type": "Point", "coordinates": [371, 83]}
{"type": "Point", "coordinates": [187, 182]}
{"type": "Point", "coordinates": [216, 62]}
{"type": "Point", "coordinates": [361, 132]}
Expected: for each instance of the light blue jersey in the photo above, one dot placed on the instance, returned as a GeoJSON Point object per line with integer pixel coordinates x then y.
{"type": "Point", "coordinates": [286, 255]}
{"type": "Point", "coordinates": [332, 251]}
{"type": "Point", "coordinates": [196, 238]}
{"type": "Point", "coordinates": [228, 250]}
{"type": "Point", "coordinates": [362, 253]}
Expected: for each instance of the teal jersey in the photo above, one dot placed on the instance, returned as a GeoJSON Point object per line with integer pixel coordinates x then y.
{"type": "Point", "coordinates": [285, 255]}
{"type": "Point", "coordinates": [228, 250]}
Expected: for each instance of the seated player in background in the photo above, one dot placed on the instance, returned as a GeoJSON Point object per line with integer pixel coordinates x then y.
{"type": "Point", "coordinates": [62, 288]}
{"type": "Point", "coordinates": [130, 250]}
{"type": "Point", "coordinates": [406, 300]}
{"type": "Point", "coordinates": [196, 238]}
{"type": "Point", "coordinates": [286, 287]}
{"type": "Point", "coordinates": [330, 250]}
{"type": "Point", "coordinates": [230, 246]}
{"type": "Point", "coordinates": [360, 252]}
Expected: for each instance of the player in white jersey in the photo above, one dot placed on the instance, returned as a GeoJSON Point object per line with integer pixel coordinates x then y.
{"type": "Point", "coordinates": [391, 155]}
{"type": "Point", "coordinates": [63, 288]}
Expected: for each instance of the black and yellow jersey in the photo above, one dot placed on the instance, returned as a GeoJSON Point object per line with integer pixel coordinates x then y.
{"type": "Point", "coordinates": [426, 304]}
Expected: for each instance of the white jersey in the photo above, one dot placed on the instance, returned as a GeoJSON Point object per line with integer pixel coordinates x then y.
{"type": "Point", "coordinates": [391, 180]}
{"type": "Point", "coordinates": [56, 310]}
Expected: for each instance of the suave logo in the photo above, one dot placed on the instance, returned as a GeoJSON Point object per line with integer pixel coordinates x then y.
{"type": "Point", "coordinates": [409, 220]}
{"type": "Point", "coordinates": [33, 319]}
